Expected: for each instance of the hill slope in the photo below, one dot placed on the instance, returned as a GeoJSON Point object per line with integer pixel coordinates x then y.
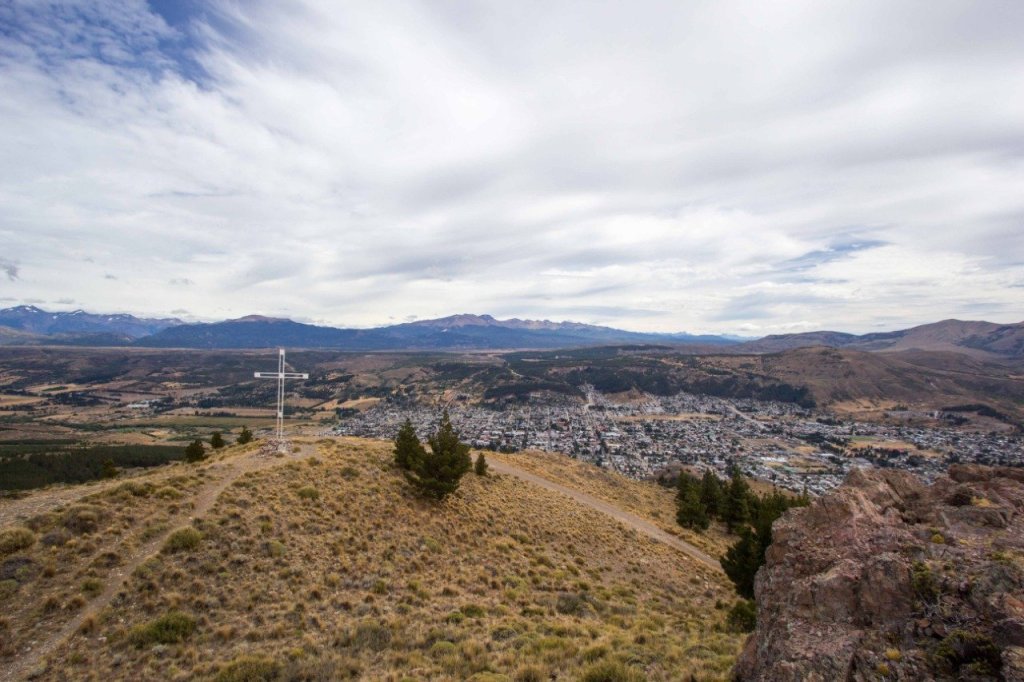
{"type": "Point", "coordinates": [982, 339]}
{"type": "Point", "coordinates": [326, 567]}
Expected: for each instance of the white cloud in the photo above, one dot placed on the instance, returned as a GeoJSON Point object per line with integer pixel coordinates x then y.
{"type": "Point", "coordinates": [652, 165]}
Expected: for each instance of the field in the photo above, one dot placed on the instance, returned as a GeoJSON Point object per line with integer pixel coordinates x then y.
{"type": "Point", "coordinates": [323, 565]}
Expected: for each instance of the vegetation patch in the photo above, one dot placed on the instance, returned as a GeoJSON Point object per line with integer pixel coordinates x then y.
{"type": "Point", "coordinates": [75, 464]}
{"type": "Point", "coordinates": [183, 539]}
{"type": "Point", "coordinates": [16, 539]}
{"type": "Point", "coordinates": [170, 628]}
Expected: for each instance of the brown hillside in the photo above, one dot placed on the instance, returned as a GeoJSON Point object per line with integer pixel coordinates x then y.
{"type": "Point", "coordinates": [325, 566]}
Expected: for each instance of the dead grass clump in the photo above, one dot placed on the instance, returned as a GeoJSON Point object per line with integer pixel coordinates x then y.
{"type": "Point", "coordinates": [611, 671]}
{"type": "Point", "coordinates": [16, 539]}
{"type": "Point", "coordinates": [370, 634]}
{"type": "Point", "coordinates": [83, 518]}
{"type": "Point", "coordinates": [249, 669]}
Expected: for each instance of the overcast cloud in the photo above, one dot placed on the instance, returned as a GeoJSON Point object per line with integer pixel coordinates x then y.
{"type": "Point", "coordinates": [740, 167]}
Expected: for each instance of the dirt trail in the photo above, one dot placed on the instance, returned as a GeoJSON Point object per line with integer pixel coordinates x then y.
{"type": "Point", "coordinates": [221, 474]}
{"type": "Point", "coordinates": [14, 511]}
{"type": "Point", "coordinates": [627, 518]}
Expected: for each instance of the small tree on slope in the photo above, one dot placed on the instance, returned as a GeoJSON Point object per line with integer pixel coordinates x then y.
{"type": "Point", "coordinates": [437, 473]}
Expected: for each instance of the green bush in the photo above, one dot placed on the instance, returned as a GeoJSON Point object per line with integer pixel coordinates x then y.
{"type": "Point", "coordinates": [16, 539]}
{"type": "Point", "coordinates": [742, 616]}
{"type": "Point", "coordinates": [309, 493]}
{"type": "Point", "coordinates": [973, 650]}
{"type": "Point", "coordinates": [170, 628]}
{"type": "Point", "coordinates": [183, 539]}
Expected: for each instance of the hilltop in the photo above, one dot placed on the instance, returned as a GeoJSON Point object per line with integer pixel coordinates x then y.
{"type": "Point", "coordinates": [323, 565]}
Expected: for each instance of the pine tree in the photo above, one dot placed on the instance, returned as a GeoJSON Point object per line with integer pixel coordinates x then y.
{"type": "Point", "coordinates": [690, 511]}
{"type": "Point", "coordinates": [217, 441]}
{"type": "Point", "coordinates": [736, 501]}
{"type": "Point", "coordinates": [480, 468]}
{"type": "Point", "coordinates": [407, 446]}
{"type": "Point", "coordinates": [195, 452]}
{"type": "Point", "coordinates": [711, 494]}
{"type": "Point", "coordinates": [245, 436]}
{"type": "Point", "coordinates": [741, 562]}
{"type": "Point", "coordinates": [437, 473]}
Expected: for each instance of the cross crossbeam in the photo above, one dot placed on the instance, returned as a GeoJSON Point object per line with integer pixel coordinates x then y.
{"type": "Point", "coordinates": [280, 375]}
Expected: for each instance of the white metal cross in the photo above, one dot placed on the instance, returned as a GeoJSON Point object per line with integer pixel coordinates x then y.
{"type": "Point", "coordinates": [280, 375]}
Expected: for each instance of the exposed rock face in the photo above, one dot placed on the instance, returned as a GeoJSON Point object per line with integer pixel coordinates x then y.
{"type": "Point", "coordinates": [888, 578]}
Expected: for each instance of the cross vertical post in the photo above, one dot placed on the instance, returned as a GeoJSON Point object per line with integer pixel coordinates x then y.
{"type": "Point", "coordinates": [280, 375]}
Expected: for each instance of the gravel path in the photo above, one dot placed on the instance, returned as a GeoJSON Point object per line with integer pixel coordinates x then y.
{"type": "Point", "coordinates": [627, 518]}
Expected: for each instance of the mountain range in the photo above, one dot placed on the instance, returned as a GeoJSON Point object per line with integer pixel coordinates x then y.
{"type": "Point", "coordinates": [28, 325]}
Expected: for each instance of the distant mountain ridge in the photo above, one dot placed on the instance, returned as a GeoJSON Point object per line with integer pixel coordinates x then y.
{"type": "Point", "coordinates": [456, 332]}
{"type": "Point", "coordinates": [980, 339]}
{"type": "Point", "coordinates": [80, 325]}
{"type": "Point", "coordinates": [29, 325]}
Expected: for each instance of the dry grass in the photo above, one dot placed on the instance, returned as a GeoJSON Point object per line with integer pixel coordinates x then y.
{"type": "Point", "coordinates": [652, 502]}
{"type": "Point", "coordinates": [504, 581]}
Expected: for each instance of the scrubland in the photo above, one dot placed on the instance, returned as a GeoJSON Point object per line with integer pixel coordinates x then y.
{"type": "Point", "coordinates": [329, 567]}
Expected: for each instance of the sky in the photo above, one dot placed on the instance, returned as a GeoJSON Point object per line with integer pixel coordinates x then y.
{"type": "Point", "coordinates": [712, 167]}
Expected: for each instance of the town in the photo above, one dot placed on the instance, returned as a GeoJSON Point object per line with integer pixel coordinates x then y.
{"type": "Point", "coordinates": [792, 447]}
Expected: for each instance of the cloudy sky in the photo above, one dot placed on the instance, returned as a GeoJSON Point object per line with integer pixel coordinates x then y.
{"type": "Point", "coordinates": [737, 167]}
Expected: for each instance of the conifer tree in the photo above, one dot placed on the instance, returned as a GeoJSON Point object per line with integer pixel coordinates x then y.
{"type": "Point", "coordinates": [690, 511]}
{"type": "Point", "coordinates": [195, 452]}
{"type": "Point", "coordinates": [741, 562]}
{"type": "Point", "coordinates": [437, 473]}
{"type": "Point", "coordinates": [217, 441]}
{"type": "Point", "coordinates": [407, 445]}
{"type": "Point", "coordinates": [736, 501]}
{"type": "Point", "coordinates": [711, 494]}
{"type": "Point", "coordinates": [245, 436]}
{"type": "Point", "coordinates": [480, 468]}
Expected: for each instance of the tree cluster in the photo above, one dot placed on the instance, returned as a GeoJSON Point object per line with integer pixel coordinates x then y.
{"type": "Point", "coordinates": [69, 463]}
{"type": "Point", "coordinates": [435, 472]}
{"type": "Point", "coordinates": [744, 512]}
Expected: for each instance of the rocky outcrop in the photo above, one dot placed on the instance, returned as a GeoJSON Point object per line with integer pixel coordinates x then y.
{"type": "Point", "coordinates": [887, 578]}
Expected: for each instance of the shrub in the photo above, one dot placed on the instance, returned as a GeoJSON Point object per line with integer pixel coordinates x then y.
{"type": "Point", "coordinates": [742, 616]}
{"type": "Point", "coordinates": [183, 539]}
{"type": "Point", "coordinates": [480, 468]}
{"type": "Point", "coordinates": [574, 604]}
{"type": "Point", "coordinates": [170, 628]}
{"type": "Point", "coordinates": [16, 539]}
{"type": "Point", "coordinates": [309, 493]}
{"type": "Point", "coordinates": [371, 634]}
{"type": "Point", "coordinates": [249, 669]}
{"type": "Point", "coordinates": [611, 671]}
{"type": "Point", "coordinates": [964, 648]}
{"type": "Point", "coordinates": [82, 518]}
{"type": "Point", "coordinates": [217, 441]}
